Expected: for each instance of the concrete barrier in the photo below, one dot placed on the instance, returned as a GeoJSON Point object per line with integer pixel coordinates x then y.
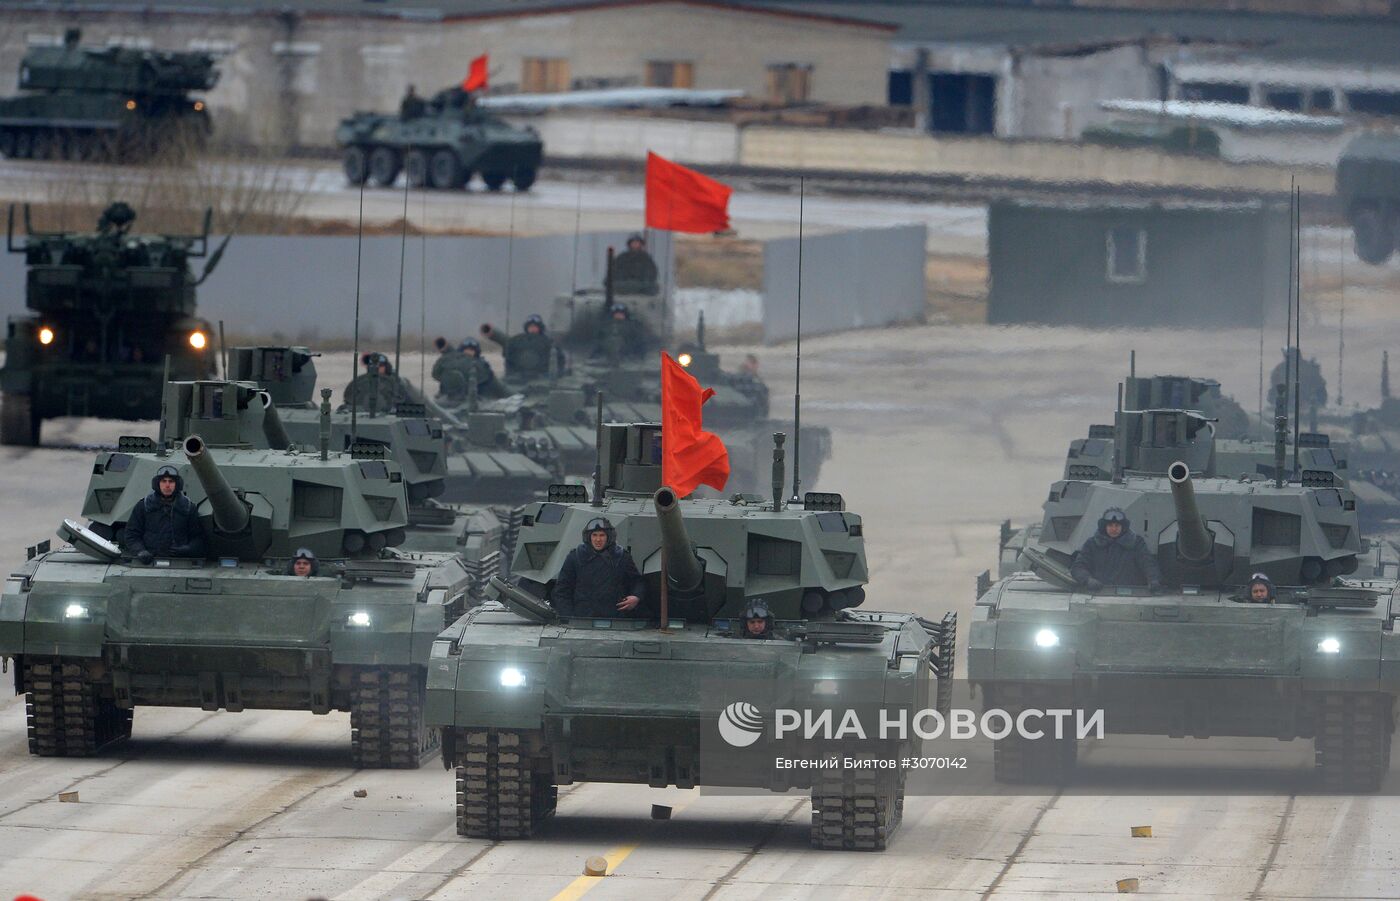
{"type": "Point", "coordinates": [629, 138]}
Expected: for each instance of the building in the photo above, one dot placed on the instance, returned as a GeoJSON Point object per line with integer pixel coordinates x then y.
{"type": "Point", "coordinates": [1139, 264]}
{"type": "Point", "coordinates": [291, 69]}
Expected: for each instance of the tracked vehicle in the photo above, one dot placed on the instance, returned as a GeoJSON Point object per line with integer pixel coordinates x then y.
{"type": "Point", "coordinates": [93, 635]}
{"type": "Point", "coordinates": [530, 699]}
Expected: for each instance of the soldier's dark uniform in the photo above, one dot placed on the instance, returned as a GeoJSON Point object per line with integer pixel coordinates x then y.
{"type": "Point", "coordinates": [160, 526]}
{"type": "Point", "coordinates": [633, 270]}
{"type": "Point", "coordinates": [591, 583]}
{"type": "Point", "coordinates": [1125, 560]}
{"type": "Point", "coordinates": [527, 353]}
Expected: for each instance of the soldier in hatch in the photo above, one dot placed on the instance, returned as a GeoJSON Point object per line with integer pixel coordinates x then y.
{"type": "Point", "coordinates": [164, 523]}
{"type": "Point", "coordinates": [598, 578]}
{"type": "Point", "coordinates": [1115, 556]}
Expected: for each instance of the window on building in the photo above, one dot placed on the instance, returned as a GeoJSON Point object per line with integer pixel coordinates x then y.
{"type": "Point", "coordinates": [789, 83]}
{"type": "Point", "coordinates": [1288, 99]}
{"type": "Point", "coordinates": [544, 75]}
{"type": "Point", "coordinates": [1322, 100]}
{"type": "Point", "coordinates": [901, 88]}
{"type": "Point", "coordinates": [670, 74]}
{"type": "Point", "coordinates": [1127, 254]}
{"type": "Point", "coordinates": [961, 103]}
{"type": "Point", "coordinates": [1215, 92]}
{"type": "Point", "coordinates": [1374, 103]}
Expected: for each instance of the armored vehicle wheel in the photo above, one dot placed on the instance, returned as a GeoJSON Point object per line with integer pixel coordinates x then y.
{"type": "Point", "coordinates": [1374, 231]}
{"type": "Point", "coordinates": [415, 168]}
{"type": "Point", "coordinates": [494, 181]}
{"type": "Point", "coordinates": [856, 812]}
{"type": "Point", "coordinates": [445, 171]}
{"type": "Point", "coordinates": [7, 143]}
{"type": "Point", "coordinates": [18, 425]}
{"type": "Point", "coordinates": [356, 165]}
{"type": "Point", "coordinates": [384, 165]}
{"type": "Point", "coordinates": [498, 794]}
{"type": "Point", "coordinates": [24, 144]}
{"type": "Point", "coordinates": [67, 714]}
{"type": "Point", "coordinates": [1352, 741]}
{"type": "Point", "coordinates": [524, 178]}
{"type": "Point", "coordinates": [386, 720]}
{"type": "Point", "coordinates": [1022, 761]}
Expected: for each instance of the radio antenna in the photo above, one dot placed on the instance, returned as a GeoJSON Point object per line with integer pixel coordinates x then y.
{"type": "Point", "coordinates": [355, 395]}
{"type": "Point", "coordinates": [797, 375]}
{"type": "Point", "coordinates": [423, 305]}
{"type": "Point", "coordinates": [403, 251]}
{"type": "Point", "coordinates": [510, 259]}
{"type": "Point", "coordinates": [1297, 318]}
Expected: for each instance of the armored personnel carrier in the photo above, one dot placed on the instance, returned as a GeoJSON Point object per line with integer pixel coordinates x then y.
{"type": "Point", "coordinates": [94, 635]}
{"type": "Point", "coordinates": [105, 309]}
{"type": "Point", "coordinates": [441, 148]}
{"type": "Point", "coordinates": [95, 103]}
{"type": "Point", "coordinates": [1196, 657]}
{"type": "Point", "coordinates": [530, 699]}
{"type": "Point", "coordinates": [1368, 188]}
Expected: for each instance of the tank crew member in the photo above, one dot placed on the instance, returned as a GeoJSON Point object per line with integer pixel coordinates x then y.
{"type": "Point", "coordinates": [622, 337]}
{"type": "Point", "coordinates": [1261, 589]}
{"type": "Point", "coordinates": [598, 578]}
{"type": "Point", "coordinates": [164, 523]}
{"type": "Point", "coordinates": [1115, 555]}
{"type": "Point", "coordinates": [1312, 386]}
{"type": "Point", "coordinates": [455, 371]}
{"type": "Point", "coordinates": [633, 270]}
{"type": "Point", "coordinates": [527, 354]}
{"type": "Point", "coordinates": [304, 563]}
{"type": "Point", "coordinates": [378, 389]}
{"type": "Point", "coordinates": [758, 620]}
{"type": "Point", "coordinates": [412, 106]}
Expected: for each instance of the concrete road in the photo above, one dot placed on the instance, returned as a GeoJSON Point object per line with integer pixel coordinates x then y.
{"type": "Point", "coordinates": [940, 433]}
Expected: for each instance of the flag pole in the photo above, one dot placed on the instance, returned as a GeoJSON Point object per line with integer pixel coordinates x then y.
{"type": "Point", "coordinates": [665, 612]}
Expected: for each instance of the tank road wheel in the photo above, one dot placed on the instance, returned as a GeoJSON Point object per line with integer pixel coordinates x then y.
{"type": "Point", "coordinates": [355, 162]}
{"type": "Point", "coordinates": [415, 167]}
{"type": "Point", "coordinates": [1352, 741]}
{"type": "Point", "coordinates": [386, 720]}
{"type": "Point", "coordinates": [19, 426]}
{"type": "Point", "coordinates": [384, 166]}
{"type": "Point", "coordinates": [524, 178]}
{"type": "Point", "coordinates": [856, 812]}
{"type": "Point", "coordinates": [445, 171]}
{"type": "Point", "coordinates": [1374, 232]}
{"type": "Point", "coordinates": [1021, 761]}
{"type": "Point", "coordinates": [498, 794]}
{"type": "Point", "coordinates": [67, 716]}
{"type": "Point", "coordinates": [494, 181]}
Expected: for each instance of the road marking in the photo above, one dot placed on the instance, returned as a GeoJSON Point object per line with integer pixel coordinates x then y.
{"type": "Point", "coordinates": [584, 884]}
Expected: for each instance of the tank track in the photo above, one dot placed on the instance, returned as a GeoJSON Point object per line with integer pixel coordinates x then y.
{"type": "Point", "coordinates": [1020, 761]}
{"type": "Point", "coordinates": [498, 794]}
{"type": "Point", "coordinates": [65, 711]}
{"type": "Point", "coordinates": [1352, 740]}
{"type": "Point", "coordinates": [18, 427]}
{"type": "Point", "coordinates": [386, 720]}
{"type": "Point", "coordinates": [858, 811]}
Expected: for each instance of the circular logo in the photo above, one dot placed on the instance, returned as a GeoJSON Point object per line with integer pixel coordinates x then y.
{"type": "Point", "coordinates": [740, 724]}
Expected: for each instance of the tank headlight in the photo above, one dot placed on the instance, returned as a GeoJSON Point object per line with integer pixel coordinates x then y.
{"type": "Point", "coordinates": [46, 336]}
{"type": "Point", "coordinates": [75, 611]}
{"type": "Point", "coordinates": [826, 687]}
{"type": "Point", "coordinates": [199, 106]}
{"type": "Point", "coordinates": [359, 619]}
{"type": "Point", "coordinates": [1046, 638]}
{"type": "Point", "coordinates": [512, 678]}
{"type": "Point", "coordinates": [684, 359]}
{"type": "Point", "coordinates": [198, 340]}
{"type": "Point", "coordinates": [1329, 646]}
{"type": "Point", "coordinates": [131, 104]}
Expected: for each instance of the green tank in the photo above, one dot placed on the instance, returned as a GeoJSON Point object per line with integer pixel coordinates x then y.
{"type": "Point", "coordinates": [94, 636]}
{"type": "Point", "coordinates": [95, 103]}
{"type": "Point", "coordinates": [529, 700]}
{"type": "Point", "coordinates": [105, 310]}
{"type": "Point", "coordinates": [440, 146]}
{"type": "Point", "coordinates": [1196, 657]}
{"type": "Point", "coordinates": [1368, 190]}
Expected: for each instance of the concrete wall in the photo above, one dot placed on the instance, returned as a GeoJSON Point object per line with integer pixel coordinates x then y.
{"type": "Point", "coordinates": [579, 135]}
{"type": "Point", "coordinates": [1057, 96]}
{"type": "Point", "coordinates": [855, 279]}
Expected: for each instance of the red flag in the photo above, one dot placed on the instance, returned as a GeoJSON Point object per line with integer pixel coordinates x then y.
{"type": "Point", "coordinates": [476, 75]}
{"type": "Point", "coordinates": [690, 456]}
{"type": "Point", "coordinates": [683, 200]}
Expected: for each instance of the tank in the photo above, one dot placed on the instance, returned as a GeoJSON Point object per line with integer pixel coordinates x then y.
{"type": "Point", "coordinates": [94, 635]}
{"type": "Point", "coordinates": [452, 140]}
{"type": "Point", "coordinates": [101, 103]}
{"type": "Point", "coordinates": [105, 309]}
{"type": "Point", "coordinates": [530, 700]}
{"type": "Point", "coordinates": [1369, 441]}
{"type": "Point", "coordinates": [1196, 658]}
{"type": "Point", "coordinates": [1368, 190]}
{"type": "Point", "coordinates": [410, 436]}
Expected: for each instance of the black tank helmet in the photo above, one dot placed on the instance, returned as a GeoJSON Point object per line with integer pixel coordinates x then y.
{"type": "Point", "coordinates": [304, 553]}
{"type": "Point", "coordinates": [469, 344]}
{"type": "Point", "coordinates": [600, 524]}
{"type": "Point", "coordinates": [620, 307]}
{"type": "Point", "coordinates": [1261, 579]}
{"type": "Point", "coordinates": [534, 319]}
{"type": "Point", "coordinates": [636, 236]}
{"type": "Point", "coordinates": [757, 609]}
{"type": "Point", "coordinates": [174, 473]}
{"type": "Point", "coordinates": [1113, 514]}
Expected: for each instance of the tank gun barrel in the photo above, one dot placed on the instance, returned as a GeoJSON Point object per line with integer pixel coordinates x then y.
{"type": "Point", "coordinates": [1193, 539]}
{"type": "Point", "coordinates": [683, 568]}
{"type": "Point", "coordinates": [230, 515]}
{"type": "Point", "coordinates": [273, 430]}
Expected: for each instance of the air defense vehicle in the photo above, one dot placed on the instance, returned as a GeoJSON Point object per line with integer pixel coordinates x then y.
{"type": "Point", "coordinates": [1196, 657]}
{"type": "Point", "coordinates": [93, 635]}
{"type": "Point", "coordinates": [441, 147]}
{"type": "Point", "coordinates": [408, 434]}
{"type": "Point", "coordinates": [105, 310]}
{"type": "Point", "coordinates": [530, 699]}
{"type": "Point", "coordinates": [1368, 190]}
{"type": "Point", "coordinates": [96, 103]}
